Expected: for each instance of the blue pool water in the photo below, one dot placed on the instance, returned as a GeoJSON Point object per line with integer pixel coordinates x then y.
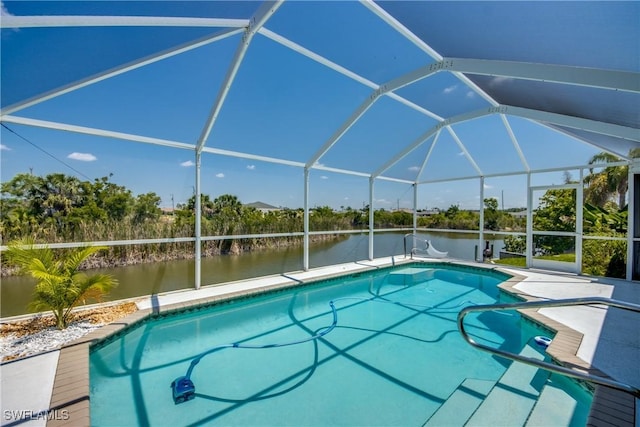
{"type": "Point", "coordinates": [395, 358]}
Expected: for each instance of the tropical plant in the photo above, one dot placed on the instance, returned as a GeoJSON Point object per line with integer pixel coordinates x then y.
{"type": "Point", "coordinates": [61, 285]}
{"type": "Point", "coordinates": [556, 212]}
{"type": "Point", "coordinates": [516, 244]}
{"type": "Point", "coordinates": [612, 181]}
{"type": "Point", "coordinates": [491, 213]}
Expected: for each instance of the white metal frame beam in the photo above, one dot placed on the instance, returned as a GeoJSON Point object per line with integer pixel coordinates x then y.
{"type": "Point", "coordinates": [95, 132]}
{"type": "Point", "coordinates": [614, 80]}
{"type": "Point", "coordinates": [602, 128]}
{"type": "Point", "coordinates": [525, 172]}
{"type": "Point", "coordinates": [464, 150]}
{"type": "Point", "coordinates": [342, 70]}
{"type": "Point", "coordinates": [11, 21]}
{"type": "Point", "coordinates": [177, 144]}
{"type": "Point", "coordinates": [514, 141]}
{"type": "Point", "coordinates": [120, 70]}
{"type": "Point", "coordinates": [579, 76]}
{"type": "Point", "coordinates": [384, 89]}
{"type": "Point", "coordinates": [266, 10]}
{"type": "Point", "coordinates": [535, 115]}
{"type": "Point", "coordinates": [355, 116]}
{"type": "Point", "coordinates": [399, 27]}
{"type": "Point", "coordinates": [315, 57]}
{"type": "Point", "coordinates": [428, 156]}
{"type": "Point", "coordinates": [409, 35]}
{"type": "Point", "coordinates": [425, 136]}
{"type": "Point", "coordinates": [581, 140]}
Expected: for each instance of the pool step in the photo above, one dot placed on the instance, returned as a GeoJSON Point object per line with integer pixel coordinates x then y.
{"type": "Point", "coordinates": [410, 276]}
{"type": "Point", "coordinates": [554, 407]}
{"type": "Point", "coordinates": [514, 396]}
{"type": "Point", "coordinates": [462, 403]}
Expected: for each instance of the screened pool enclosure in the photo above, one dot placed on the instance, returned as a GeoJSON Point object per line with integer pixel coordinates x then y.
{"type": "Point", "coordinates": [409, 106]}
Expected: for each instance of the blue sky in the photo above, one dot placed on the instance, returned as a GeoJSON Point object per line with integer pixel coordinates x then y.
{"type": "Point", "coordinates": [281, 105]}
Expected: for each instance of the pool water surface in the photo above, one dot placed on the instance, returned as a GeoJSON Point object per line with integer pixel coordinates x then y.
{"type": "Point", "coordinates": [394, 358]}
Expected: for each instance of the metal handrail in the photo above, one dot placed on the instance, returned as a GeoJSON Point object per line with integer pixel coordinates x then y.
{"type": "Point", "coordinates": [405, 244]}
{"type": "Point", "coordinates": [546, 365]}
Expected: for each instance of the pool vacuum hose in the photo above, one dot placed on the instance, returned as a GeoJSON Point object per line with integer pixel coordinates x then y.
{"type": "Point", "coordinates": [184, 389]}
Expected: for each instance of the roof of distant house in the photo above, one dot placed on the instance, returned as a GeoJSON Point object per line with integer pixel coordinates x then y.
{"type": "Point", "coordinates": [262, 206]}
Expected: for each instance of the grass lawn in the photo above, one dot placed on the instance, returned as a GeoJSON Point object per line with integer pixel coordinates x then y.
{"type": "Point", "coordinates": [515, 262]}
{"type": "Point", "coordinates": [521, 262]}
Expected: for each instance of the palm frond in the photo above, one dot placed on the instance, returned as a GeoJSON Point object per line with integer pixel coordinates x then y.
{"type": "Point", "coordinates": [21, 252]}
{"type": "Point", "coordinates": [95, 286]}
{"type": "Point", "coordinates": [73, 261]}
{"type": "Point", "coordinates": [60, 286]}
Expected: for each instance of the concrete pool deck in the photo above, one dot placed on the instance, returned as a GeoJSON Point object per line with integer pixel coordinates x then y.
{"type": "Point", "coordinates": [53, 388]}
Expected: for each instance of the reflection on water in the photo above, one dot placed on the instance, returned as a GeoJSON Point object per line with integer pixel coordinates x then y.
{"type": "Point", "coordinates": [146, 279]}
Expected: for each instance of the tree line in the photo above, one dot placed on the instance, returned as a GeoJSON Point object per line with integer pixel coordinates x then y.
{"type": "Point", "coordinates": [59, 208]}
{"type": "Point", "coordinates": [62, 208]}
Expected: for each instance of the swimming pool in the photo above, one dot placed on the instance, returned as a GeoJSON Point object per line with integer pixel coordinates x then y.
{"type": "Point", "coordinates": [394, 357]}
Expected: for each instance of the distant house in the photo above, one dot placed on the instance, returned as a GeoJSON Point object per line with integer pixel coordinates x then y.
{"type": "Point", "coordinates": [263, 207]}
{"type": "Point", "coordinates": [519, 214]}
{"type": "Point", "coordinates": [428, 212]}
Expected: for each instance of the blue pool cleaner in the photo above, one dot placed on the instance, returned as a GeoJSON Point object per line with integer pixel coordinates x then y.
{"type": "Point", "coordinates": [184, 389]}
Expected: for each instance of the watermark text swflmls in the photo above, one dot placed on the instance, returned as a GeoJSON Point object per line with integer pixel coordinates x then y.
{"type": "Point", "coordinates": [27, 414]}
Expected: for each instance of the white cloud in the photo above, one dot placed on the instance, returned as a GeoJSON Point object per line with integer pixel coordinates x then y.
{"type": "Point", "coordinates": [471, 94]}
{"type": "Point", "coordinates": [382, 202]}
{"type": "Point", "coordinates": [187, 164]}
{"type": "Point", "coordinates": [461, 153]}
{"type": "Point", "coordinates": [4, 148]}
{"type": "Point", "coordinates": [487, 186]}
{"type": "Point", "coordinates": [450, 89]}
{"type": "Point", "coordinates": [83, 157]}
{"type": "Point", "coordinates": [220, 175]}
{"type": "Point", "coordinates": [251, 167]}
{"type": "Point", "coordinates": [324, 177]}
{"type": "Point", "coordinates": [414, 168]}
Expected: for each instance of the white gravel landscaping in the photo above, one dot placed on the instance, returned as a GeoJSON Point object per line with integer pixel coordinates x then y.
{"type": "Point", "coordinates": [12, 345]}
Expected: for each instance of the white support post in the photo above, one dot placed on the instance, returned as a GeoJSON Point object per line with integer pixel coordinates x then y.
{"type": "Point", "coordinates": [631, 223]}
{"type": "Point", "coordinates": [198, 231]}
{"type": "Point", "coordinates": [305, 253]}
{"type": "Point", "coordinates": [579, 221]}
{"type": "Point", "coordinates": [480, 254]}
{"type": "Point", "coordinates": [415, 208]}
{"type": "Point", "coordinates": [371, 224]}
{"type": "Point", "coordinates": [529, 245]}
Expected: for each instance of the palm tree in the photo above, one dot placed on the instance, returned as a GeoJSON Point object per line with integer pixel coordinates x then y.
{"type": "Point", "coordinates": [612, 181]}
{"type": "Point", "coordinates": [61, 285]}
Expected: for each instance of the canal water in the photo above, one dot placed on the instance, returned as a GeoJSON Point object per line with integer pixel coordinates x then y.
{"type": "Point", "coordinates": [147, 279]}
